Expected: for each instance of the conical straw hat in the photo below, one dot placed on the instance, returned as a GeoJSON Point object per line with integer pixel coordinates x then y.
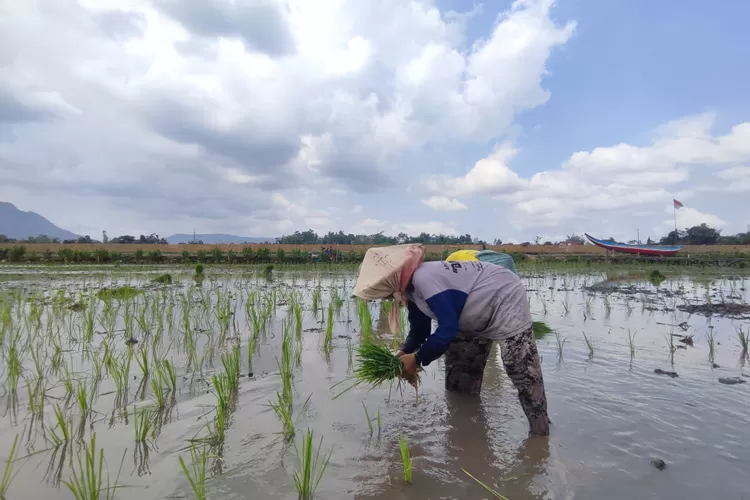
{"type": "Point", "coordinates": [379, 272]}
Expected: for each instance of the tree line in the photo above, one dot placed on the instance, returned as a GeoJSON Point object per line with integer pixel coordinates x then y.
{"type": "Point", "coordinates": [152, 239]}
{"type": "Point", "coordinates": [702, 234]}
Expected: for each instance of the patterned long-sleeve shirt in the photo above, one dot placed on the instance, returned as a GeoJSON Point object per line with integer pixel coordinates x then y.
{"type": "Point", "coordinates": [475, 298]}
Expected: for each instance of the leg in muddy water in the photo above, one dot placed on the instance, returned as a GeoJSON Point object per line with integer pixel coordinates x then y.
{"type": "Point", "coordinates": [521, 361]}
{"type": "Point", "coordinates": [465, 360]}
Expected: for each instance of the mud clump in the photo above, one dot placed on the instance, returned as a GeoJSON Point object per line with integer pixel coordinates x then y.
{"type": "Point", "coordinates": [659, 371]}
{"type": "Point", "coordinates": [165, 279]}
{"type": "Point", "coordinates": [728, 309]}
{"type": "Point", "coordinates": [658, 464]}
{"type": "Point", "coordinates": [731, 380]}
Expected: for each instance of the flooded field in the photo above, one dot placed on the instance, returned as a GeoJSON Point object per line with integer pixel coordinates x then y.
{"type": "Point", "coordinates": [213, 381]}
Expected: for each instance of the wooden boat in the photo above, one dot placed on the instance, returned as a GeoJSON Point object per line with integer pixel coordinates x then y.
{"type": "Point", "coordinates": [653, 250]}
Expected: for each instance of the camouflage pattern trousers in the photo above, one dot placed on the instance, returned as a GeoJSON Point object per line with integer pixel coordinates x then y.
{"type": "Point", "coordinates": [466, 358]}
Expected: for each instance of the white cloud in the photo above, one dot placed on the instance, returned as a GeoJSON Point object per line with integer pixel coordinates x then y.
{"type": "Point", "coordinates": [622, 178]}
{"type": "Point", "coordinates": [261, 111]}
{"type": "Point", "coordinates": [263, 118]}
{"type": "Point", "coordinates": [489, 175]}
{"type": "Point", "coordinates": [444, 203]}
{"type": "Point", "coordinates": [689, 217]}
{"type": "Point", "coordinates": [735, 179]}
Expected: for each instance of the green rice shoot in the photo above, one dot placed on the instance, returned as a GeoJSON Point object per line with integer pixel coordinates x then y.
{"type": "Point", "coordinates": [405, 458]}
{"type": "Point", "coordinates": [492, 492]}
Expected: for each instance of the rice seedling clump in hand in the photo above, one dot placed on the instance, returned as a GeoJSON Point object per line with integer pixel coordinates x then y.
{"type": "Point", "coordinates": [376, 365]}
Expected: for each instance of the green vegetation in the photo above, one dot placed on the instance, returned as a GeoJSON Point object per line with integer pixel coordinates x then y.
{"type": "Point", "coordinates": [311, 467]}
{"type": "Point", "coordinates": [489, 490]}
{"type": "Point", "coordinates": [406, 460]}
{"type": "Point", "coordinates": [112, 349]}
{"type": "Point", "coordinates": [377, 365]}
{"type": "Point", "coordinates": [196, 476]}
{"type": "Point", "coordinates": [120, 293]}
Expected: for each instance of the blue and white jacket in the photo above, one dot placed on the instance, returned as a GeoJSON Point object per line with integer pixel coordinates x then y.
{"type": "Point", "coordinates": [477, 299]}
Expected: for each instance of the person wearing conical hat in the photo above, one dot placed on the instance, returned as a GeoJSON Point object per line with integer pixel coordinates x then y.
{"type": "Point", "coordinates": [474, 303]}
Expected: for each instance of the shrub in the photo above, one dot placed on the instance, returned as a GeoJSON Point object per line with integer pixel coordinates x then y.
{"type": "Point", "coordinates": [16, 253]}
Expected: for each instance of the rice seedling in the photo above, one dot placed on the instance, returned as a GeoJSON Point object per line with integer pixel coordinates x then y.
{"type": "Point", "coordinates": [231, 362]}
{"type": "Point", "coordinates": [744, 338]}
{"type": "Point", "coordinates": [489, 490]}
{"type": "Point", "coordinates": [170, 376]}
{"type": "Point", "coordinates": [311, 467]}
{"type": "Point", "coordinates": [367, 417]}
{"type": "Point", "coordinates": [297, 309]}
{"type": "Point", "coordinates": [711, 344]}
{"type": "Point", "coordinates": [84, 396]}
{"type": "Point", "coordinates": [540, 329]}
{"type": "Point", "coordinates": [142, 423]}
{"type": "Point", "coordinates": [8, 475]}
{"type": "Point", "coordinates": [631, 343]}
{"type": "Point", "coordinates": [365, 320]}
{"type": "Point", "coordinates": [61, 433]}
{"type": "Point", "coordinates": [670, 345]}
{"type": "Point", "coordinates": [589, 345]}
{"type": "Point", "coordinates": [406, 460]}
{"type": "Point", "coordinates": [560, 344]}
{"type": "Point", "coordinates": [87, 481]}
{"type": "Point", "coordinates": [196, 476]}
{"type": "Point", "coordinates": [316, 299]}
{"type": "Point", "coordinates": [566, 305]}
{"type": "Point", "coordinates": [328, 342]}
{"type": "Point", "coordinates": [376, 365]}
{"type": "Point", "coordinates": [143, 360]}
{"type": "Point", "coordinates": [36, 393]}
{"type": "Point", "coordinates": [159, 391]}
{"type": "Point", "coordinates": [283, 408]}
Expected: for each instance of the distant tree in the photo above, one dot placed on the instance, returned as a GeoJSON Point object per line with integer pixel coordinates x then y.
{"type": "Point", "coordinates": [673, 238]}
{"type": "Point", "coordinates": [575, 239]}
{"type": "Point", "coordinates": [105, 238]}
{"type": "Point", "coordinates": [125, 239]}
{"type": "Point", "coordinates": [310, 237]}
{"type": "Point", "coordinates": [42, 238]}
{"type": "Point", "coordinates": [702, 235]}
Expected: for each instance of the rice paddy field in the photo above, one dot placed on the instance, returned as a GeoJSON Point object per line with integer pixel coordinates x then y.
{"type": "Point", "coordinates": [235, 383]}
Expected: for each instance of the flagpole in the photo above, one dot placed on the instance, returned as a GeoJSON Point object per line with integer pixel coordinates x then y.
{"type": "Point", "coordinates": [676, 234]}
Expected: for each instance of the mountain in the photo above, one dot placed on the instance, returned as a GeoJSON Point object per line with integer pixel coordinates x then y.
{"type": "Point", "coordinates": [17, 224]}
{"type": "Point", "coordinates": [217, 239]}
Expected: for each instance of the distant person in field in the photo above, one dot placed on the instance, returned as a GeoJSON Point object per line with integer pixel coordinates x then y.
{"type": "Point", "coordinates": [474, 303]}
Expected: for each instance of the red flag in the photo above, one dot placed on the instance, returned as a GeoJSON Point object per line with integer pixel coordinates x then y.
{"type": "Point", "coordinates": [677, 204]}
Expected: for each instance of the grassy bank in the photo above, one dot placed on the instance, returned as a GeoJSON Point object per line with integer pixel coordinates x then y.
{"type": "Point", "coordinates": [710, 256]}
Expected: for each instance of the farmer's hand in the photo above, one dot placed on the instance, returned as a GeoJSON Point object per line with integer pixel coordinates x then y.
{"type": "Point", "coordinates": [400, 353]}
{"type": "Point", "coordinates": [410, 368]}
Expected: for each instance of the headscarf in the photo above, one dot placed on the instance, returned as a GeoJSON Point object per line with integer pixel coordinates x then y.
{"type": "Point", "coordinates": [463, 255]}
{"type": "Point", "coordinates": [386, 272]}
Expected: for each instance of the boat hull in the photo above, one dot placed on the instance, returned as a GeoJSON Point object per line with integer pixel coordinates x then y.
{"type": "Point", "coordinates": [652, 250]}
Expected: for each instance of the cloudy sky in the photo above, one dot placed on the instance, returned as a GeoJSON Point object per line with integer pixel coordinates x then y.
{"type": "Point", "coordinates": [260, 117]}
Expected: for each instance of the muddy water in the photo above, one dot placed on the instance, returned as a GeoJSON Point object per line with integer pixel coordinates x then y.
{"type": "Point", "coordinates": [612, 415]}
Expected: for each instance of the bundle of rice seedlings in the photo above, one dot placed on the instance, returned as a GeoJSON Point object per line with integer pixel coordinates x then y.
{"type": "Point", "coordinates": [376, 364]}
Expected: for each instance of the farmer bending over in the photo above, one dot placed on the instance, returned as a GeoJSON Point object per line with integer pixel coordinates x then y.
{"type": "Point", "coordinates": [474, 304]}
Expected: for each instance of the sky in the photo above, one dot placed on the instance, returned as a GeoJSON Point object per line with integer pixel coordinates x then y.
{"type": "Point", "coordinates": [507, 120]}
